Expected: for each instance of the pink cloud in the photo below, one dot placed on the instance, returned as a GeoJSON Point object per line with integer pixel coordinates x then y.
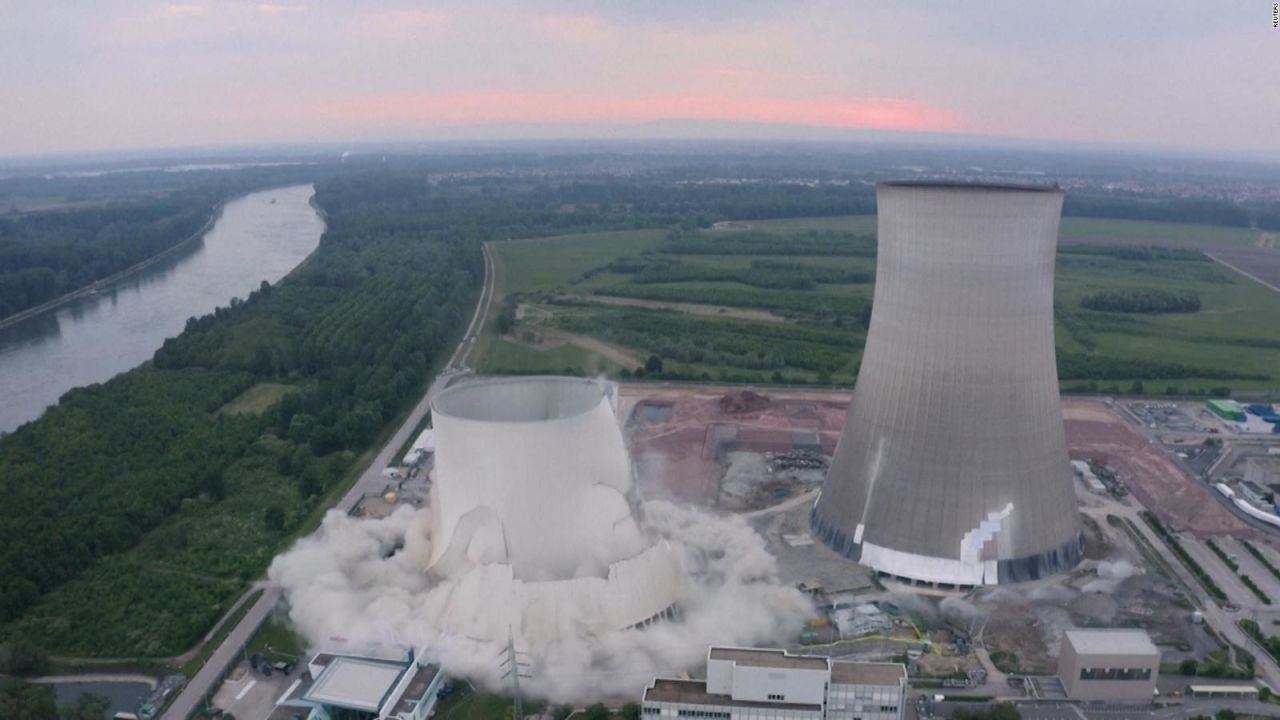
{"type": "Point", "coordinates": [397, 22]}
{"type": "Point", "coordinates": [183, 8]}
{"type": "Point", "coordinates": [277, 9]}
{"type": "Point", "coordinates": [474, 108]}
{"type": "Point", "coordinates": [576, 29]}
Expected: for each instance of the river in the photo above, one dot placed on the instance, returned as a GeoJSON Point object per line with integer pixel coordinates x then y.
{"type": "Point", "coordinates": [261, 236]}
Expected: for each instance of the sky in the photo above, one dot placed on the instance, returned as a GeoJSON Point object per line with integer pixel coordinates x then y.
{"type": "Point", "coordinates": [116, 74]}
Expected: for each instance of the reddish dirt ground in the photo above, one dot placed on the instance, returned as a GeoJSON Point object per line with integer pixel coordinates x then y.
{"type": "Point", "coordinates": [1094, 432]}
{"type": "Point", "coordinates": [685, 467]}
{"type": "Point", "coordinates": [685, 442]}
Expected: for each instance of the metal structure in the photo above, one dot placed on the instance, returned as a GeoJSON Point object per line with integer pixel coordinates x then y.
{"type": "Point", "coordinates": [952, 467]}
{"type": "Point", "coordinates": [533, 494]}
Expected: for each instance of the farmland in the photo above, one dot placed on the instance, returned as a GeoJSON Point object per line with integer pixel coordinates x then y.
{"type": "Point", "coordinates": [688, 299]}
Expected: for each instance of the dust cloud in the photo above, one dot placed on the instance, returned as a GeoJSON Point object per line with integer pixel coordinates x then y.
{"type": "Point", "coordinates": [362, 581]}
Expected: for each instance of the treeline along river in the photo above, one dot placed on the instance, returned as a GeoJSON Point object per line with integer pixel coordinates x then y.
{"type": "Point", "coordinates": [261, 236]}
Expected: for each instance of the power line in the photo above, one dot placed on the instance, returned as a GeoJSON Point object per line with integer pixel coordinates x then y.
{"type": "Point", "coordinates": [515, 665]}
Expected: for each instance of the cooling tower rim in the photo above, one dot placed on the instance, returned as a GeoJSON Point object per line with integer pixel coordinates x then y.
{"type": "Point", "coordinates": [452, 402]}
{"type": "Point", "coordinates": [954, 185]}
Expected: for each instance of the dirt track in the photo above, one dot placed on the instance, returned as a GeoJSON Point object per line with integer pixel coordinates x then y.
{"type": "Point", "coordinates": [689, 308]}
{"type": "Point", "coordinates": [1259, 264]}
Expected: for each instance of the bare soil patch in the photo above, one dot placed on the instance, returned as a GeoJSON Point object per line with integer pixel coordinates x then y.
{"type": "Point", "coordinates": [1261, 264]}
{"type": "Point", "coordinates": [1094, 432]}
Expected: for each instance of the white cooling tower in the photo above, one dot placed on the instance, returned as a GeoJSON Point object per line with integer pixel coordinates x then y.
{"type": "Point", "coordinates": [533, 474]}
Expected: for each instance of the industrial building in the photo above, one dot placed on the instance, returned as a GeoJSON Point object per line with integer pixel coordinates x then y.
{"type": "Point", "coordinates": [1257, 495]}
{"type": "Point", "coordinates": [756, 684]}
{"type": "Point", "coordinates": [1109, 665]}
{"type": "Point", "coordinates": [952, 466]}
{"type": "Point", "coordinates": [1262, 471]}
{"type": "Point", "coordinates": [533, 489]}
{"type": "Point", "coordinates": [423, 446]}
{"type": "Point", "coordinates": [395, 684]}
{"type": "Point", "coordinates": [1226, 409]}
{"type": "Point", "coordinates": [1265, 411]}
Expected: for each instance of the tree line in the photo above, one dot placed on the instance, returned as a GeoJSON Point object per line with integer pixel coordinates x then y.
{"type": "Point", "coordinates": [813, 242]}
{"type": "Point", "coordinates": [1079, 366]}
{"type": "Point", "coordinates": [762, 273]}
{"type": "Point", "coordinates": [1142, 300]}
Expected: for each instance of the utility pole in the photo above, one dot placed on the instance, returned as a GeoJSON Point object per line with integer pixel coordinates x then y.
{"type": "Point", "coordinates": [515, 670]}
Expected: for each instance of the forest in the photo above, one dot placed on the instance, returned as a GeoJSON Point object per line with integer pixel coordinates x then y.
{"type": "Point", "coordinates": [44, 255]}
{"type": "Point", "coordinates": [355, 331]}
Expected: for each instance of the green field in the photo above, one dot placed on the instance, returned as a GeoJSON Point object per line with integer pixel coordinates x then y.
{"type": "Point", "coordinates": [256, 399]}
{"type": "Point", "coordinates": [1235, 333]}
{"type": "Point", "coordinates": [545, 263]}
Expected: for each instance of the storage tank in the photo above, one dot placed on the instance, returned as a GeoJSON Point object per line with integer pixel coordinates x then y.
{"type": "Point", "coordinates": [952, 466]}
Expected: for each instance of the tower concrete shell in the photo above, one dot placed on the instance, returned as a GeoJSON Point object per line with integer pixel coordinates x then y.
{"type": "Point", "coordinates": [952, 466]}
{"type": "Point", "coordinates": [533, 480]}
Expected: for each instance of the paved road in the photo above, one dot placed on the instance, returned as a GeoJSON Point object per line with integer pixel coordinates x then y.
{"type": "Point", "coordinates": [1190, 708]}
{"type": "Point", "coordinates": [228, 652]}
{"type": "Point", "coordinates": [1222, 621]}
{"type": "Point", "coordinates": [370, 481]}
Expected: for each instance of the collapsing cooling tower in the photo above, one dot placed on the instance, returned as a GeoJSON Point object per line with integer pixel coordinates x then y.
{"type": "Point", "coordinates": [533, 484]}
{"type": "Point", "coordinates": [952, 467]}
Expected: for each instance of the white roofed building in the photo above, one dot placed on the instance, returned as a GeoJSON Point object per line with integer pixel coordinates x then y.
{"type": "Point", "coordinates": [758, 684]}
{"type": "Point", "coordinates": [364, 687]}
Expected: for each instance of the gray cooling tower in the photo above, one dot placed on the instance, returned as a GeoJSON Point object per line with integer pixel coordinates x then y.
{"type": "Point", "coordinates": [952, 467]}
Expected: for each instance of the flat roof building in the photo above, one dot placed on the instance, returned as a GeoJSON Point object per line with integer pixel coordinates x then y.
{"type": "Point", "coordinates": [1226, 409]}
{"type": "Point", "coordinates": [1263, 471]}
{"type": "Point", "coordinates": [371, 686]}
{"type": "Point", "coordinates": [755, 684]}
{"type": "Point", "coordinates": [1109, 665]}
{"type": "Point", "coordinates": [1237, 692]}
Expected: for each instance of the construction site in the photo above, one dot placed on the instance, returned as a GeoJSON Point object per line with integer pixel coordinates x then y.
{"type": "Point", "coordinates": [761, 455]}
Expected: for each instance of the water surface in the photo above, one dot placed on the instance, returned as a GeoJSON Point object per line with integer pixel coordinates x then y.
{"type": "Point", "coordinates": [259, 237]}
{"type": "Point", "coordinates": [124, 696]}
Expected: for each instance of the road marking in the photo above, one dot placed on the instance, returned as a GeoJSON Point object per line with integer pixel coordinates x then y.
{"type": "Point", "coordinates": [289, 692]}
{"type": "Point", "coordinates": [245, 690]}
